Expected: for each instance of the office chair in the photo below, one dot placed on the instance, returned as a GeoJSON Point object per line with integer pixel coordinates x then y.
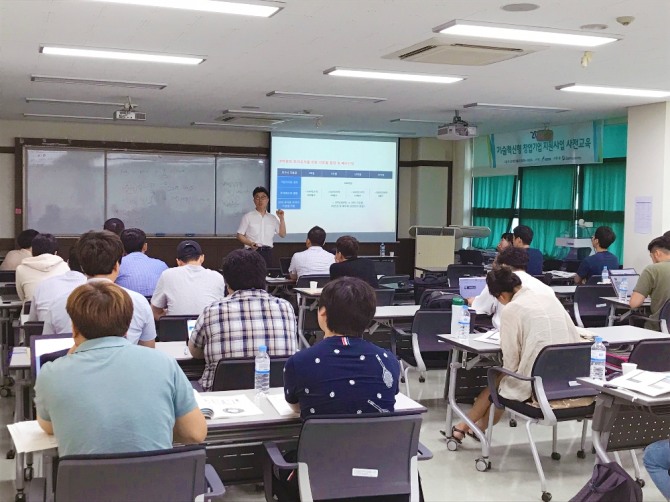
{"type": "Point", "coordinates": [545, 278]}
{"type": "Point", "coordinates": [238, 373]}
{"type": "Point", "coordinates": [552, 264]}
{"type": "Point", "coordinates": [30, 329]}
{"type": "Point", "coordinates": [663, 319]}
{"type": "Point", "coordinates": [594, 279]}
{"type": "Point", "coordinates": [363, 447]}
{"type": "Point", "coordinates": [384, 296]}
{"type": "Point", "coordinates": [173, 475]}
{"type": "Point", "coordinates": [173, 328]}
{"type": "Point", "coordinates": [590, 309]}
{"type": "Point", "coordinates": [304, 280]}
{"type": "Point", "coordinates": [455, 272]}
{"type": "Point", "coordinates": [555, 367]}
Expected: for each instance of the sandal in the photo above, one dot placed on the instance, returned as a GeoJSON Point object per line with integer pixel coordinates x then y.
{"type": "Point", "coordinates": [473, 436]}
{"type": "Point", "coordinates": [461, 432]}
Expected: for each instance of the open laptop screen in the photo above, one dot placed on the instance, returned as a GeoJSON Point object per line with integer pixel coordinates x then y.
{"type": "Point", "coordinates": [632, 282]}
{"type": "Point", "coordinates": [469, 287]}
{"type": "Point", "coordinates": [47, 344]}
{"type": "Point", "coordinates": [190, 324]}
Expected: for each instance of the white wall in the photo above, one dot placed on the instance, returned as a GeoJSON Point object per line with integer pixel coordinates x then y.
{"type": "Point", "coordinates": [647, 175]}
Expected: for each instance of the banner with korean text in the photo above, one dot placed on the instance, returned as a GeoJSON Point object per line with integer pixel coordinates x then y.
{"type": "Point", "coordinates": [571, 144]}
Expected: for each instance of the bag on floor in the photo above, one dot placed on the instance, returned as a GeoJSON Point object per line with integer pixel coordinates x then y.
{"type": "Point", "coordinates": [437, 300]}
{"type": "Point", "coordinates": [609, 483]}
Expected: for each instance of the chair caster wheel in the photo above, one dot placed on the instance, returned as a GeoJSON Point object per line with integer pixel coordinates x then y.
{"type": "Point", "coordinates": [11, 454]}
{"type": "Point", "coordinates": [5, 392]}
{"type": "Point", "coordinates": [593, 450]}
{"type": "Point", "coordinates": [28, 473]}
{"type": "Point", "coordinates": [422, 379]}
{"type": "Point", "coordinates": [20, 497]}
{"type": "Point", "coordinates": [8, 381]}
{"type": "Point", "coordinates": [402, 379]}
{"type": "Point", "coordinates": [512, 422]}
{"type": "Point", "coordinates": [555, 455]}
{"type": "Point", "coordinates": [640, 482]}
{"type": "Point", "coordinates": [482, 465]}
{"type": "Point", "coordinates": [452, 444]}
{"type": "Point", "coordinates": [581, 454]}
{"type": "Point", "coordinates": [546, 496]}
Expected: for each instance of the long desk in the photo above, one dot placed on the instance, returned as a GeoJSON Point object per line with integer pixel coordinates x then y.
{"type": "Point", "coordinates": [615, 303]}
{"type": "Point", "coordinates": [566, 291]}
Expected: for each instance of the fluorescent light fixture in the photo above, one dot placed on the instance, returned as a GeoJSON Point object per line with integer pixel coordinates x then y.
{"type": "Point", "coordinates": [264, 9]}
{"type": "Point", "coordinates": [223, 125]}
{"type": "Point", "coordinates": [335, 97]}
{"type": "Point", "coordinates": [525, 108]}
{"type": "Point", "coordinates": [73, 102]}
{"type": "Point", "coordinates": [389, 75]}
{"type": "Point", "coordinates": [523, 34]}
{"type": "Point", "coordinates": [146, 57]}
{"type": "Point", "coordinates": [49, 79]}
{"type": "Point", "coordinates": [376, 133]}
{"type": "Point", "coordinates": [418, 121]}
{"type": "Point", "coordinates": [55, 116]}
{"type": "Point", "coordinates": [613, 91]}
{"type": "Point", "coordinates": [272, 115]}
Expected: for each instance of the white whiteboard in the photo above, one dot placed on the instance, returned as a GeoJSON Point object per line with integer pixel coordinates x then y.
{"type": "Point", "coordinates": [64, 190]}
{"type": "Point", "coordinates": [236, 179]}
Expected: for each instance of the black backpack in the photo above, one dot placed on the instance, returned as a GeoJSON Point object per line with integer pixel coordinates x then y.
{"type": "Point", "coordinates": [435, 299]}
{"type": "Point", "coordinates": [609, 483]}
{"type": "Point", "coordinates": [428, 281]}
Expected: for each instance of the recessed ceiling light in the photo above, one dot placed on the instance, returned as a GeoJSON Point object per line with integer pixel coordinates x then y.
{"type": "Point", "coordinates": [525, 108]}
{"type": "Point", "coordinates": [223, 125]}
{"type": "Point", "coordinates": [522, 34]}
{"type": "Point", "coordinates": [613, 91]}
{"type": "Point", "coordinates": [376, 133]}
{"type": "Point", "coordinates": [53, 79]}
{"type": "Point", "coordinates": [520, 7]}
{"type": "Point", "coordinates": [336, 97]}
{"type": "Point", "coordinates": [120, 55]}
{"type": "Point", "coordinates": [272, 115]}
{"type": "Point", "coordinates": [388, 75]}
{"type": "Point", "coordinates": [72, 102]}
{"type": "Point", "coordinates": [593, 27]}
{"type": "Point", "coordinates": [264, 9]}
{"type": "Point", "coordinates": [55, 116]}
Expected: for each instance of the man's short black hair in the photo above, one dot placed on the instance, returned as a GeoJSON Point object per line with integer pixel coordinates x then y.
{"type": "Point", "coordinates": [657, 243]}
{"type": "Point", "coordinates": [348, 246]}
{"type": "Point", "coordinates": [72, 260]}
{"type": "Point", "coordinates": [114, 225]}
{"type": "Point", "coordinates": [25, 238]}
{"type": "Point", "coordinates": [44, 243]}
{"type": "Point", "coordinates": [99, 252]}
{"type": "Point", "coordinates": [133, 240]}
{"type": "Point", "coordinates": [508, 236]}
{"type": "Point", "coordinates": [667, 234]}
{"type": "Point", "coordinates": [525, 233]}
{"type": "Point", "coordinates": [244, 269]}
{"type": "Point", "coordinates": [515, 258]}
{"type": "Point", "coordinates": [350, 305]}
{"type": "Point", "coordinates": [605, 236]}
{"type": "Point", "coordinates": [261, 190]}
{"type": "Point", "coordinates": [317, 236]}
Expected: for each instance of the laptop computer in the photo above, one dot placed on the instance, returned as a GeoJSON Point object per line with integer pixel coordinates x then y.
{"type": "Point", "coordinates": [190, 325]}
{"type": "Point", "coordinates": [470, 287]}
{"type": "Point", "coordinates": [284, 264]}
{"type": "Point", "coordinates": [630, 277]}
{"type": "Point", "coordinates": [42, 346]}
{"type": "Point", "coordinates": [623, 271]}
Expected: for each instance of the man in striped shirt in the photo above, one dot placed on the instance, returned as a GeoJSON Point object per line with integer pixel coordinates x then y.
{"type": "Point", "coordinates": [249, 317]}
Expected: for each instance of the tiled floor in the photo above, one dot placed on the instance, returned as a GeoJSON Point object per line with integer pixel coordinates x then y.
{"type": "Point", "coordinates": [449, 476]}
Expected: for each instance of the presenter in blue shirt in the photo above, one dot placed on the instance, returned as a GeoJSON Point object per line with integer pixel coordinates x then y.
{"type": "Point", "coordinates": [593, 265]}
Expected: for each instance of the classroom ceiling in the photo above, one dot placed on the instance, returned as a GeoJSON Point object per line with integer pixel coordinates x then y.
{"type": "Point", "coordinates": [248, 57]}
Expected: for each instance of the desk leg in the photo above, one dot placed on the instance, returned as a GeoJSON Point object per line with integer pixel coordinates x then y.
{"type": "Point", "coordinates": [601, 424]}
{"type": "Point", "coordinates": [612, 316]}
{"type": "Point", "coordinates": [301, 320]}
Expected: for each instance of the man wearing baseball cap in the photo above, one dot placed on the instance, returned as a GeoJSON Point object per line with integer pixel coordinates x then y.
{"type": "Point", "coordinates": [188, 288]}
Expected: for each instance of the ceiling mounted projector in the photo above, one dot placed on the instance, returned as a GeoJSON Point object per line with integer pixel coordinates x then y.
{"type": "Point", "coordinates": [128, 112]}
{"type": "Point", "coordinates": [458, 129]}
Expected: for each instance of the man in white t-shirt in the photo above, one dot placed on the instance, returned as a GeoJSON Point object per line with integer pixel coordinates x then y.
{"type": "Point", "coordinates": [315, 259]}
{"type": "Point", "coordinates": [258, 227]}
{"type": "Point", "coordinates": [188, 288]}
{"type": "Point", "coordinates": [517, 259]}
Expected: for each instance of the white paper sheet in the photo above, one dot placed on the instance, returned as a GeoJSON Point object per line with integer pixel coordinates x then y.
{"type": "Point", "coordinates": [28, 436]}
{"type": "Point", "coordinates": [216, 407]}
{"type": "Point", "coordinates": [280, 405]}
{"type": "Point", "coordinates": [643, 210]}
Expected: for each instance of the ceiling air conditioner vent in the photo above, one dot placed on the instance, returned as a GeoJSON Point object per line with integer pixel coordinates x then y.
{"type": "Point", "coordinates": [488, 47]}
{"type": "Point", "coordinates": [417, 51]}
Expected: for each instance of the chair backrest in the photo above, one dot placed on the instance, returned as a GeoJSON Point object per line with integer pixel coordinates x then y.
{"type": "Point", "coordinates": [545, 278]}
{"type": "Point", "coordinates": [7, 275]}
{"type": "Point", "coordinates": [590, 309]}
{"type": "Point", "coordinates": [174, 328]}
{"type": "Point", "coordinates": [384, 296]}
{"type": "Point", "coordinates": [594, 279]}
{"type": "Point", "coordinates": [471, 257]}
{"type": "Point", "coordinates": [455, 272]}
{"type": "Point", "coordinates": [172, 475]}
{"type": "Point", "coordinates": [428, 281]}
{"type": "Point", "coordinates": [552, 264]}
{"type": "Point", "coordinates": [304, 280]}
{"type": "Point", "coordinates": [396, 281]}
{"type": "Point", "coordinates": [664, 317]}
{"type": "Point", "coordinates": [30, 329]}
{"type": "Point", "coordinates": [428, 323]}
{"type": "Point", "coordinates": [561, 364]}
{"type": "Point", "coordinates": [238, 373]}
{"type": "Point", "coordinates": [651, 355]}
{"type": "Point", "coordinates": [364, 463]}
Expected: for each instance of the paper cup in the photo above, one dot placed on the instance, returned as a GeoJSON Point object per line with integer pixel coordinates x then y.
{"type": "Point", "coordinates": [628, 367]}
{"type": "Point", "coordinates": [313, 285]}
{"type": "Point", "coordinates": [391, 253]}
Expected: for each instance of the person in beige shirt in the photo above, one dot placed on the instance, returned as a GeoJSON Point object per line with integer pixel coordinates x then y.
{"type": "Point", "coordinates": [529, 322]}
{"type": "Point", "coordinates": [14, 258]}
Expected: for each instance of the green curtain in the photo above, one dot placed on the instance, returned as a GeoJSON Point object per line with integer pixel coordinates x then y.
{"type": "Point", "coordinates": [493, 207]}
{"type": "Point", "coordinates": [604, 197]}
{"type": "Point", "coordinates": [547, 205]}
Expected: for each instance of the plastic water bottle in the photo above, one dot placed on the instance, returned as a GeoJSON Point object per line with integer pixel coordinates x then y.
{"type": "Point", "coordinates": [598, 360]}
{"type": "Point", "coordinates": [623, 290]}
{"type": "Point", "coordinates": [457, 304]}
{"type": "Point", "coordinates": [262, 371]}
{"type": "Point", "coordinates": [605, 276]}
{"type": "Point", "coordinates": [464, 324]}
{"type": "Point", "coordinates": [382, 249]}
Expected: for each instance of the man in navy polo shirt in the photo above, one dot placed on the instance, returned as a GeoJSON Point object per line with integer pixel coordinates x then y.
{"type": "Point", "coordinates": [343, 373]}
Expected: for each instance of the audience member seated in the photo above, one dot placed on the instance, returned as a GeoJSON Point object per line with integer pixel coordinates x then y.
{"type": "Point", "coordinates": [99, 255]}
{"type": "Point", "coordinates": [529, 322]}
{"type": "Point", "coordinates": [138, 272]}
{"type": "Point", "coordinates": [654, 280]}
{"type": "Point", "coordinates": [53, 288]}
{"type": "Point", "coordinates": [24, 242]}
{"type": "Point", "coordinates": [593, 265]}
{"type": "Point", "coordinates": [523, 237]}
{"type": "Point", "coordinates": [505, 241]}
{"type": "Point", "coordinates": [188, 288]}
{"type": "Point", "coordinates": [657, 461]}
{"type": "Point", "coordinates": [238, 324]}
{"type": "Point", "coordinates": [314, 260]}
{"type": "Point", "coordinates": [44, 263]}
{"type": "Point", "coordinates": [114, 225]}
{"type": "Point", "coordinates": [517, 260]}
{"type": "Point", "coordinates": [348, 264]}
{"type": "Point", "coordinates": [108, 395]}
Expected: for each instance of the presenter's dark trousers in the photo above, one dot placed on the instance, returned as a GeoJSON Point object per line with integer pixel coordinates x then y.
{"type": "Point", "coordinates": [266, 253]}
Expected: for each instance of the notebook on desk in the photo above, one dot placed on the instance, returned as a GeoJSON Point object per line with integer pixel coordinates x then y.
{"type": "Point", "coordinates": [43, 345]}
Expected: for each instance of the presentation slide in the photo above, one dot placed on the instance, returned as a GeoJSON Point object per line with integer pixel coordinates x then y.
{"type": "Point", "coordinates": [346, 185]}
